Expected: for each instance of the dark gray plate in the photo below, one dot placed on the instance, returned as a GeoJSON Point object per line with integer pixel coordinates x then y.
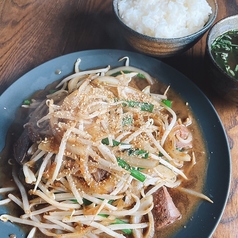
{"type": "Point", "coordinates": [207, 216]}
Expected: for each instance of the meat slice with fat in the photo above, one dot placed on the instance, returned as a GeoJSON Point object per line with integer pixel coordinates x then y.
{"type": "Point", "coordinates": [165, 212]}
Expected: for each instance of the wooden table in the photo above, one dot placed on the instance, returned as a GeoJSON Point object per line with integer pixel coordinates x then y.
{"type": "Point", "coordinates": [35, 31]}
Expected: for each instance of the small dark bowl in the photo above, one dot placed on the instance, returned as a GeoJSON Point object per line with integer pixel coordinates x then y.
{"type": "Point", "coordinates": [223, 84]}
{"type": "Point", "coordinates": [164, 47]}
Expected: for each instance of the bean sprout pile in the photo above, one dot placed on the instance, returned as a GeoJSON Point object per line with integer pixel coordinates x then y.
{"type": "Point", "coordinates": [107, 148]}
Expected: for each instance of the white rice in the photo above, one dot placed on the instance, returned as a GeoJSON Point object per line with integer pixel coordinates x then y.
{"type": "Point", "coordinates": [164, 18]}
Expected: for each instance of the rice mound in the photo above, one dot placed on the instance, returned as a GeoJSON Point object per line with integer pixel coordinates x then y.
{"type": "Point", "coordinates": [164, 18]}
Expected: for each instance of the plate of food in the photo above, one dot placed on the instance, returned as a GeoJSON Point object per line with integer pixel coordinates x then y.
{"type": "Point", "coordinates": [110, 143]}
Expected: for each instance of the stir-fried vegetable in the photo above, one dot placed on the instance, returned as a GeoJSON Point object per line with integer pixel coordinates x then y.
{"type": "Point", "coordinates": [104, 146]}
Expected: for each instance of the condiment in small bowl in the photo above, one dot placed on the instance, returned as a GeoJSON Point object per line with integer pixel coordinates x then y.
{"type": "Point", "coordinates": [165, 46]}
{"type": "Point", "coordinates": [221, 58]}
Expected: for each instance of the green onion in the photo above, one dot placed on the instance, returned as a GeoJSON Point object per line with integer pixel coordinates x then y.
{"type": "Point", "coordinates": [86, 202]}
{"type": "Point", "coordinates": [110, 201]}
{"type": "Point", "coordinates": [144, 106]}
{"type": "Point", "coordinates": [26, 102]}
{"type": "Point", "coordinates": [137, 175]}
{"type": "Point", "coordinates": [118, 221]}
{"type": "Point", "coordinates": [139, 75]}
{"type": "Point", "coordinates": [120, 72]}
{"type": "Point", "coordinates": [167, 102]}
{"type": "Point", "coordinates": [74, 200]}
{"type": "Point", "coordinates": [103, 215]}
{"type": "Point", "coordinates": [105, 141]}
{"type": "Point", "coordinates": [123, 164]}
{"type": "Point", "coordinates": [134, 172]}
{"type": "Point", "coordinates": [52, 91]}
{"type": "Point", "coordinates": [160, 154]}
{"type": "Point", "coordinates": [127, 121]}
{"type": "Point", "coordinates": [142, 153]}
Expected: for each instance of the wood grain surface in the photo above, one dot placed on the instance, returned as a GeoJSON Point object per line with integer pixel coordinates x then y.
{"type": "Point", "coordinates": [35, 31]}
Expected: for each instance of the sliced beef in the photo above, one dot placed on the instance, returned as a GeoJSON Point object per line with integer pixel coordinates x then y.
{"type": "Point", "coordinates": [164, 211]}
{"type": "Point", "coordinates": [21, 146]}
{"type": "Point", "coordinates": [31, 133]}
{"type": "Point", "coordinates": [100, 175]}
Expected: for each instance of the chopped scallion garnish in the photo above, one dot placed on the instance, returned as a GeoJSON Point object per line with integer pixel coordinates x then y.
{"type": "Point", "coordinates": [139, 75]}
{"type": "Point", "coordinates": [134, 172]}
{"type": "Point", "coordinates": [52, 91]}
{"type": "Point", "coordinates": [105, 141]}
{"type": "Point", "coordinates": [142, 153]}
{"type": "Point", "coordinates": [120, 72]}
{"type": "Point", "coordinates": [144, 106]}
{"type": "Point", "coordinates": [86, 202]}
{"type": "Point", "coordinates": [167, 102]}
{"type": "Point", "coordinates": [127, 121]}
{"type": "Point", "coordinates": [160, 154]}
{"type": "Point", "coordinates": [26, 102]}
{"type": "Point", "coordinates": [118, 221]}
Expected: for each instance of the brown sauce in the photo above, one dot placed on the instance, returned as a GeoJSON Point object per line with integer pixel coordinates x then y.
{"type": "Point", "coordinates": [185, 203]}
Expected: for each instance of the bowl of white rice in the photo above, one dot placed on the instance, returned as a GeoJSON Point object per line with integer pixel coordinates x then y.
{"type": "Point", "coordinates": [164, 28]}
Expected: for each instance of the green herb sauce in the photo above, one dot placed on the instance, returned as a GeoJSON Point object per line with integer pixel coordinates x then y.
{"type": "Point", "coordinates": [224, 50]}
